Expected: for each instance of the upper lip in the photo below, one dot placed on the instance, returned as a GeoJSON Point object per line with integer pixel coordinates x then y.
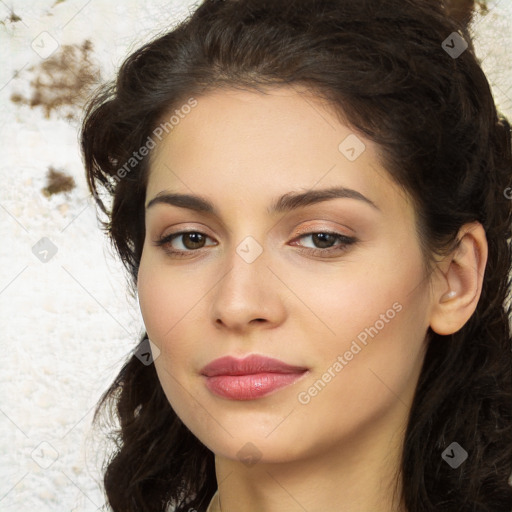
{"type": "Point", "coordinates": [253, 364]}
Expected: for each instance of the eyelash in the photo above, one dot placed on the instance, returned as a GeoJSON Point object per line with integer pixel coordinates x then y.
{"type": "Point", "coordinates": [346, 241]}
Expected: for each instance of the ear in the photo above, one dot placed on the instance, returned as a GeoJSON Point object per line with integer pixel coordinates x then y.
{"type": "Point", "coordinates": [457, 283]}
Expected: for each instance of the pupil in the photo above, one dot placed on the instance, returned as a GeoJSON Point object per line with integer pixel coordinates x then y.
{"type": "Point", "coordinates": [323, 239]}
{"type": "Point", "coordinates": [195, 240]}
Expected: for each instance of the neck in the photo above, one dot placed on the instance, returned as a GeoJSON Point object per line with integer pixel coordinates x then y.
{"type": "Point", "coordinates": [357, 475]}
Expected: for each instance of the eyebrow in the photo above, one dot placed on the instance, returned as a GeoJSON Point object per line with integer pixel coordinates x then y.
{"type": "Point", "coordinates": [285, 203]}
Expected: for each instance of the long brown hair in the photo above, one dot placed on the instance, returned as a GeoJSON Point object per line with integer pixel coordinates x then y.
{"type": "Point", "coordinates": [386, 67]}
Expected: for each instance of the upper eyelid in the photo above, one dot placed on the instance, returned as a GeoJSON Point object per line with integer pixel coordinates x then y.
{"type": "Point", "coordinates": [303, 231]}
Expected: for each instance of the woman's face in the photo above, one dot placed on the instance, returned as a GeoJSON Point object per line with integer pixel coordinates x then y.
{"type": "Point", "coordinates": [332, 286]}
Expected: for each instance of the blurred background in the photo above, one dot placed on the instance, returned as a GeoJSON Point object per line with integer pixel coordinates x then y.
{"type": "Point", "coordinates": [66, 314]}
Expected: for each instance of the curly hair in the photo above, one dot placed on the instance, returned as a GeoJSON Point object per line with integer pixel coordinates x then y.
{"type": "Point", "coordinates": [383, 67]}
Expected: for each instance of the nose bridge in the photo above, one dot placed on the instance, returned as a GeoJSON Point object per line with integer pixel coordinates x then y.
{"type": "Point", "coordinates": [247, 269]}
{"type": "Point", "coordinates": [245, 292]}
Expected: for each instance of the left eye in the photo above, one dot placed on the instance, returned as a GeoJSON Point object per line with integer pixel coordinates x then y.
{"type": "Point", "coordinates": [191, 241]}
{"type": "Point", "coordinates": [325, 240]}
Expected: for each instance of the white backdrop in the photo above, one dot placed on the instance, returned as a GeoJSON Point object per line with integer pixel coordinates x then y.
{"type": "Point", "coordinates": [67, 321]}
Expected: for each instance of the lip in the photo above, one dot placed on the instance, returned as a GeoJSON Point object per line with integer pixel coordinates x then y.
{"type": "Point", "coordinates": [249, 378]}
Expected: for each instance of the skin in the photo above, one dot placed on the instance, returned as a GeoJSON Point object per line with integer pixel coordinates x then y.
{"type": "Point", "coordinates": [341, 450]}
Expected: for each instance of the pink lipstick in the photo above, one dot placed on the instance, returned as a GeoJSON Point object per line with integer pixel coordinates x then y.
{"type": "Point", "coordinates": [249, 378]}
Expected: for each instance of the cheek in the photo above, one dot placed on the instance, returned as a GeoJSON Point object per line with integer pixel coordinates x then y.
{"type": "Point", "coordinates": [366, 301]}
{"type": "Point", "coordinates": [153, 299]}
{"type": "Point", "coordinates": [378, 342]}
{"type": "Point", "coordinates": [370, 366]}
{"type": "Point", "coordinates": [172, 306]}
{"type": "Point", "coordinates": [375, 317]}
{"type": "Point", "coordinates": [165, 297]}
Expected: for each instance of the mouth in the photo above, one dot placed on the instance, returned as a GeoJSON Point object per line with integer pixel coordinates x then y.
{"type": "Point", "coordinates": [249, 378]}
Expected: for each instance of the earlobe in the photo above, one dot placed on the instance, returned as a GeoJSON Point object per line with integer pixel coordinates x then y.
{"type": "Point", "coordinates": [457, 285]}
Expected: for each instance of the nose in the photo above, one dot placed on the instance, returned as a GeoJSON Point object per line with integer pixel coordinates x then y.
{"type": "Point", "coordinates": [248, 295]}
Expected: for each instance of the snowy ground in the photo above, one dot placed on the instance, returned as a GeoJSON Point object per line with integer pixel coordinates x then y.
{"type": "Point", "coordinates": [68, 323]}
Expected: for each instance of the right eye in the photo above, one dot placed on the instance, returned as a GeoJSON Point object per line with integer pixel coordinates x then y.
{"type": "Point", "coordinates": [190, 242]}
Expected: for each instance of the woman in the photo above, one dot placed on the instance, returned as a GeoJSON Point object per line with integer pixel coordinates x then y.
{"type": "Point", "coordinates": [310, 198]}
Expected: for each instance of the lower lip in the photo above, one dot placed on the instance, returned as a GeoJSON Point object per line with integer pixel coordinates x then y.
{"type": "Point", "coordinates": [249, 387]}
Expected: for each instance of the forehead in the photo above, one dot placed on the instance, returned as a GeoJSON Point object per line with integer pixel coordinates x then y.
{"type": "Point", "coordinates": [253, 146]}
